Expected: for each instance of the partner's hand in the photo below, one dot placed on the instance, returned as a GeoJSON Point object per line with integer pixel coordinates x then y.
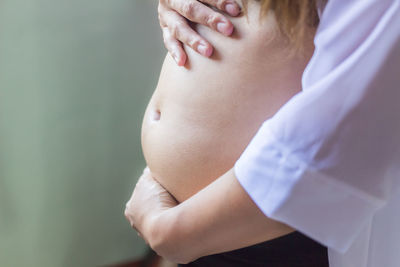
{"type": "Point", "coordinates": [175, 14]}
{"type": "Point", "coordinates": [149, 199]}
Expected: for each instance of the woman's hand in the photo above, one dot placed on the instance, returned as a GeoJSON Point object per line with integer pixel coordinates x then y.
{"type": "Point", "coordinates": [148, 201]}
{"type": "Point", "coordinates": [175, 14]}
{"type": "Point", "coordinates": [220, 217]}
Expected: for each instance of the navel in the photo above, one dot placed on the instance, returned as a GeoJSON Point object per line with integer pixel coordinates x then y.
{"type": "Point", "coordinates": [156, 115]}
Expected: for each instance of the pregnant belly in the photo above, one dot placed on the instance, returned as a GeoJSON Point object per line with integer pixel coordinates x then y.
{"type": "Point", "coordinates": [187, 150]}
{"type": "Point", "coordinates": [193, 132]}
{"type": "Point", "coordinates": [201, 117]}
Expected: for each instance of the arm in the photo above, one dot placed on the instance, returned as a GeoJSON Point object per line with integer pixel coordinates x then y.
{"type": "Point", "coordinates": [322, 163]}
{"type": "Point", "coordinates": [204, 224]}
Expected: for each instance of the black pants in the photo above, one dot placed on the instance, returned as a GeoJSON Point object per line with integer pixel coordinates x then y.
{"type": "Point", "coordinates": [291, 250]}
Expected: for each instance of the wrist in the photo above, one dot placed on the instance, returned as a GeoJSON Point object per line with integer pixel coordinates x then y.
{"type": "Point", "coordinates": [154, 229]}
{"type": "Point", "coordinates": [167, 238]}
{"type": "Point", "coordinates": [162, 235]}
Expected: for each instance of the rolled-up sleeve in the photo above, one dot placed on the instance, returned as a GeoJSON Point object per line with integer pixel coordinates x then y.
{"type": "Point", "coordinates": [322, 163]}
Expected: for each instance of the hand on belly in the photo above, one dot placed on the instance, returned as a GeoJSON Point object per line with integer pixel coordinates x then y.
{"type": "Point", "coordinates": [201, 117]}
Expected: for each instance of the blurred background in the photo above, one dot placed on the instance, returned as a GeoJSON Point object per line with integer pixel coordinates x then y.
{"type": "Point", "coordinates": [75, 78]}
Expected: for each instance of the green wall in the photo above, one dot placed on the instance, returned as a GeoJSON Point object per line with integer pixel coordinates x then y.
{"type": "Point", "coordinates": [75, 78]}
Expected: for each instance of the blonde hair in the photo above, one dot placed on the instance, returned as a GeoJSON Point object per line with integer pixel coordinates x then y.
{"type": "Point", "coordinates": [297, 19]}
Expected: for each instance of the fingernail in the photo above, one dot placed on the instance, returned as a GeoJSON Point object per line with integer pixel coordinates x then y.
{"type": "Point", "coordinates": [203, 49]}
{"type": "Point", "coordinates": [232, 9]}
{"type": "Point", "coordinates": [180, 61]}
{"type": "Point", "coordinates": [224, 28]}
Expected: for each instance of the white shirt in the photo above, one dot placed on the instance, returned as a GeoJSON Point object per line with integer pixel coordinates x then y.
{"type": "Point", "coordinates": [328, 162]}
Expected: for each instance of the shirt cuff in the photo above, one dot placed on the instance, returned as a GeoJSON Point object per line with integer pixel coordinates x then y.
{"type": "Point", "coordinates": [289, 191]}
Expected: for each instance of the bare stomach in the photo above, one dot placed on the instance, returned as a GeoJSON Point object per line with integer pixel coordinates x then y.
{"type": "Point", "coordinates": [201, 117]}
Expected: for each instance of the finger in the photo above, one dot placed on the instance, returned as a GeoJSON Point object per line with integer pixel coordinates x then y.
{"type": "Point", "coordinates": [179, 29]}
{"type": "Point", "coordinates": [162, 9]}
{"type": "Point", "coordinates": [230, 7]}
{"type": "Point", "coordinates": [200, 13]}
{"type": "Point", "coordinates": [174, 47]}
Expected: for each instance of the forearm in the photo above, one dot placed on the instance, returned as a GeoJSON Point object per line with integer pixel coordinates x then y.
{"type": "Point", "coordinates": [207, 223]}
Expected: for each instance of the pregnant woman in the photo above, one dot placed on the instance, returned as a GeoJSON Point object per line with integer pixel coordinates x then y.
{"type": "Point", "coordinates": [203, 115]}
{"type": "Point", "coordinates": [326, 163]}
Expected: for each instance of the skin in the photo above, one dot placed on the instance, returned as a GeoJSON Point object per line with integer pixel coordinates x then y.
{"type": "Point", "coordinates": [193, 132]}
{"type": "Point", "coordinates": [178, 203]}
{"type": "Point", "coordinates": [174, 16]}
{"type": "Point", "coordinates": [204, 224]}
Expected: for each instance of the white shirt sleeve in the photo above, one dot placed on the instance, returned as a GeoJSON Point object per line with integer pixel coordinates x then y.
{"type": "Point", "coordinates": [324, 163]}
